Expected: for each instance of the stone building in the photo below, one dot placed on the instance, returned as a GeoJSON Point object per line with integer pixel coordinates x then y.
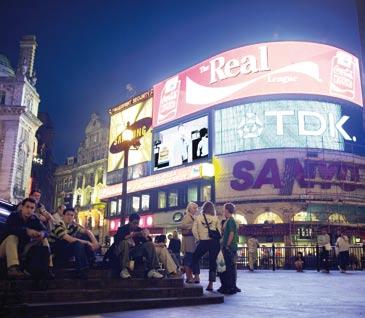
{"type": "Point", "coordinates": [19, 101]}
{"type": "Point", "coordinates": [79, 182]}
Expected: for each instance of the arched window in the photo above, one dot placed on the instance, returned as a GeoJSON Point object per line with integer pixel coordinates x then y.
{"type": "Point", "coordinates": [240, 219]}
{"type": "Point", "coordinates": [337, 218]}
{"type": "Point", "coordinates": [268, 217]}
{"type": "Point", "coordinates": [304, 216]}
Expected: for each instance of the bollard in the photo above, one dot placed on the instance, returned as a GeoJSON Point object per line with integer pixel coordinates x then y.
{"type": "Point", "coordinates": [273, 256]}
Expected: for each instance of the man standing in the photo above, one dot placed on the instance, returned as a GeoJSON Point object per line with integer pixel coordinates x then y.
{"type": "Point", "coordinates": [324, 244]}
{"type": "Point", "coordinates": [253, 245]}
{"type": "Point", "coordinates": [229, 249]}
{"type": "Point", "coordinates": [343, 249]}
{"type": "Point", "coordinates": [65, 244]}
{"type": "Point", "coordinates": [131, 242]}
{"type": "Point", "coordinates": [22, 230]}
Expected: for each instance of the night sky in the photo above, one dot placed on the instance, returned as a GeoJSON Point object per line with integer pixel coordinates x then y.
{"type": "Point", "coordinates": [89, 51]}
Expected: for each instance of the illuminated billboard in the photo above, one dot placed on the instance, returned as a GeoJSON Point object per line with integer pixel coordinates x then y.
{"type": "Point", "coordinates": [287, 123]}
{"type": "Point", "coordinates": [181, 144]}
{"type": "Point", "coordinates": [139, 118]}
{"type": "Point", "coordinates": [255, 70]}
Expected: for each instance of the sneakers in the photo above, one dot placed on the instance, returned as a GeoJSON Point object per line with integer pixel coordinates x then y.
{"type": "Point", "coordinates": [154, 274]}
{"type": "Point", "coordinates": [15, 272]}
{"type": "Point", "coordinates": [124, 273]}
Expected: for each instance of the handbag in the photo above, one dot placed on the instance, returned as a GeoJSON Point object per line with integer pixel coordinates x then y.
{"type": "Point", "coordinates": [213, 234]}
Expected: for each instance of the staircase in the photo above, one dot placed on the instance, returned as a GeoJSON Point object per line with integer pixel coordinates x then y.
{"type": "Point", "coordinates": [67, 296]}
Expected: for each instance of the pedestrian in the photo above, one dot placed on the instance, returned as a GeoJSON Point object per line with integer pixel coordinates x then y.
{"type": "Point", "coordinates": [175, 247]}
{"type": "Point", "coordinates": [206, 230]}
{"type": "Point", "coordinates": [343, 251]}
{"type": "Point", "coordinates": [253, 245]}
{"type": "Point", "coordinates": [229, 250]}
{"type": "Point", "coordinates": [299, 262]}
{"type": "Point", "coordinates": [324, 244]}
{"type": "Point", "coordinates": [188, 244]}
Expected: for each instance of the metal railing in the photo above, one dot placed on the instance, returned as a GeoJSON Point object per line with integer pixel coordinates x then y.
{"type": "Point", "coordinates": [283, 257]}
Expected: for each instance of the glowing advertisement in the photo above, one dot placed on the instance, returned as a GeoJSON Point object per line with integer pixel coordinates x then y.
{"type": "Point", "coordinates": [181, 144]}
{"type": "Point", "coordinates": [290, 174]}
{"type": "Point", "coordinates": [139, 118]}
{"type": "Point", "coordinates": [288, 123]}
{"type": "Point", "coordinates": [255, 70]}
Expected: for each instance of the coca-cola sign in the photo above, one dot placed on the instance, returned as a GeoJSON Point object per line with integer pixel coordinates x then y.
{"type": "Point", "coordinates": [261, 69]}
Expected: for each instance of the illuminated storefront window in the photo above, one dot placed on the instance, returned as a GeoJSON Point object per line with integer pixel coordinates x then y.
{"type": "Point", "coordinates": [305, 217]}
{"type": "Point", "coordinates": [161, 200]}
{"type": "Point", "coordinates": [192, 193]}
{"type": "Point", "coordinates": [113, 207]}
{"type": "Point", "coordinates": [206, 193]}
{"type": "Point", "coordinates": [145, 202]}
{"type": "Point", "coordinates": [173, 198]}
{"type": "Point", "coordinates": [337, 218]}
{"type": "Point", "coordinates": [268, 217]}
{"type": "Point", "coordinates": [135, 203]}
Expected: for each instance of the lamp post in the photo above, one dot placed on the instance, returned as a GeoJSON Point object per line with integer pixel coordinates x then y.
{"type": "Point", "coordinates": [128, 142]}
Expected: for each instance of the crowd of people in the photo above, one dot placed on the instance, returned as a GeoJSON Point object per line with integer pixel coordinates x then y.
{"type": "Point", "coordinates": [35, 239]}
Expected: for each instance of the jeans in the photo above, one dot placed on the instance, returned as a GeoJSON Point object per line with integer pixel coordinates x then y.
{"type": "Point", "coordinates": [212, 247]}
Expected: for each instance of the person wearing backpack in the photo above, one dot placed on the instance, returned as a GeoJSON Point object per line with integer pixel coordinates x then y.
{"type": "Point", "coordinates": [206, 230]}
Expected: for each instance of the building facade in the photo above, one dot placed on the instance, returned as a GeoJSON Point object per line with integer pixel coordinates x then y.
{"type": "Point", "coordinates": [19, 101]}
{"type": "Point", "coordinates": [43, 165]}
{"type": "Point", "coordinates": [276, 128]}
{"type": "Point", "coordinates": [79, 182]}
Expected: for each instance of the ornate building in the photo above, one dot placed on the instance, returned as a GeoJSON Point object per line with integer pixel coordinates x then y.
{"type": "Point", "coordinates": [19, 101]}
{"type": "Point", "coordinates": [86, 176]}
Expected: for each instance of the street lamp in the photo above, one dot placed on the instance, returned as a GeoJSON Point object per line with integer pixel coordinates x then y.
{"type": "Point", "coordinates": [128, 143]}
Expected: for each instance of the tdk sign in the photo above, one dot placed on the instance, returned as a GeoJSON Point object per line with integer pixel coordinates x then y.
{"type": "Point", "coordinates": [309, 123]}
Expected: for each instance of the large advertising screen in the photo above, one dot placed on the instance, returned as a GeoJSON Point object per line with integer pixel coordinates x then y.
{"type": "Point", "coordinates": [255, 70]}
{"type": "Point", "coordinates": [139, 118]}
{"type": "Point", "coordinates": [181, 144]}
{"type": "Point", "coordinates": [288, 123]}
{"type": "Point", "coordinates": [276, 174]}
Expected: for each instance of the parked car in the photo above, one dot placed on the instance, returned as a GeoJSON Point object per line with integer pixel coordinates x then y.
{"type": "Point", "coordinates": [5, 209]}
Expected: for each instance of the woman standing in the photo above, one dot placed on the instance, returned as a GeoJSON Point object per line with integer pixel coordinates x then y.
{"type": "Point", "coordinates": [188, 245]}
{"type": "Point", "coordinates": [204, 228]}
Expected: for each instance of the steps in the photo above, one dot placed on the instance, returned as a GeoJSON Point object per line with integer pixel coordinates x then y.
{"type": "Point", "coordinates": [98, 294]}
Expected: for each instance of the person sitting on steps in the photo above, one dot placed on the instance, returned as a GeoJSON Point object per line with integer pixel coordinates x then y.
{"type": "Point", "coordinates": [131, 242]}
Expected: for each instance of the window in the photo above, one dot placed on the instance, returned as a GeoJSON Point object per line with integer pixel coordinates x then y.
{"type": "Point", "coordinates": [206, 193]}
{"type": "Point", "coordinates": [79, 181]}
{"type": "Point", "coordinates": [161, 204]}
{"type": "Point", "coordinates": [135, 203]}
{"type": "Point", "coordinates": [2, 97]}
{"type": "Point", "coordinates": [78, 199]}
{"type": "Point", "coordinates": [119, 205]}
{"type": "Point", "coordinates": [173, 198]}
{"type": "Point", "coordinates": [145, 202]}
{"type": "Point", "coordinates": [100, 176]}
{"type": "Point", "coordinates": [113, 208]}
{"type": "Point", "coordinates": [192, 193]}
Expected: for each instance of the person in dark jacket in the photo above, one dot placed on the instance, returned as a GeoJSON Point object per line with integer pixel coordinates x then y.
{"type": "Point", "coordinates": [22, 230]}
{"type": "Point", "coordinates": [131, 242]}
{"type": "Point", "coordinates": [175, 247]}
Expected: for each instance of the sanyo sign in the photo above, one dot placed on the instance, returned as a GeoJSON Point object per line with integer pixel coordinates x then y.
{"type": "Point", "coordinates": [309, 123]}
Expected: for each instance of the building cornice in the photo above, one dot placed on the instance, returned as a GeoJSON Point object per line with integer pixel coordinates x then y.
{"type": "Point", "coordinates": [12, 110]}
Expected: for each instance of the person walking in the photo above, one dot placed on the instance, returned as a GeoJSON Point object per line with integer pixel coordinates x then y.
{"type": "Point", "coordinates": [253, 245]}
{"type": "Point", "coordinates": [188, 244]}
{"type": "Point", "coordinates": [343, 250]}
{"type": "Point", "coordinates": [206, 230]}
{"type": "Point", "coordinates": [229, 250]}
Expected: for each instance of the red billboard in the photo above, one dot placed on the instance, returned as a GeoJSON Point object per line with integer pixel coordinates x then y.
{"type": "Point", "coordinates": [260, 69]}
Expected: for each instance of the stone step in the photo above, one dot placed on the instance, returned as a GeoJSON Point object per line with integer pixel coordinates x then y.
{"type": "Point", "coordinates": [103, 306]}
{"type": "Point", "coordinates": [93, 283]}
{"type": "Point", "coordinates": [53, 296]}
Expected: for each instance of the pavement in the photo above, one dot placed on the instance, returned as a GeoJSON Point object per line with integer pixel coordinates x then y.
{"type": "Point", "coordinates": [276, 294]}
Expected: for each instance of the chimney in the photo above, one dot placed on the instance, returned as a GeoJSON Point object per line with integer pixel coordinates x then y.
{"type": "Point", "coordinates": [28, 45]}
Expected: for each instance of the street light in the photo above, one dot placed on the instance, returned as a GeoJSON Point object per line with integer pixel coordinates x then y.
{"type": "Point", "coordinates": [128, 143]}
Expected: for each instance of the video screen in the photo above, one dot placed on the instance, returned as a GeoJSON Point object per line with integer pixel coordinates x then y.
{"type": "Point", "coordinates": [181, 144]}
